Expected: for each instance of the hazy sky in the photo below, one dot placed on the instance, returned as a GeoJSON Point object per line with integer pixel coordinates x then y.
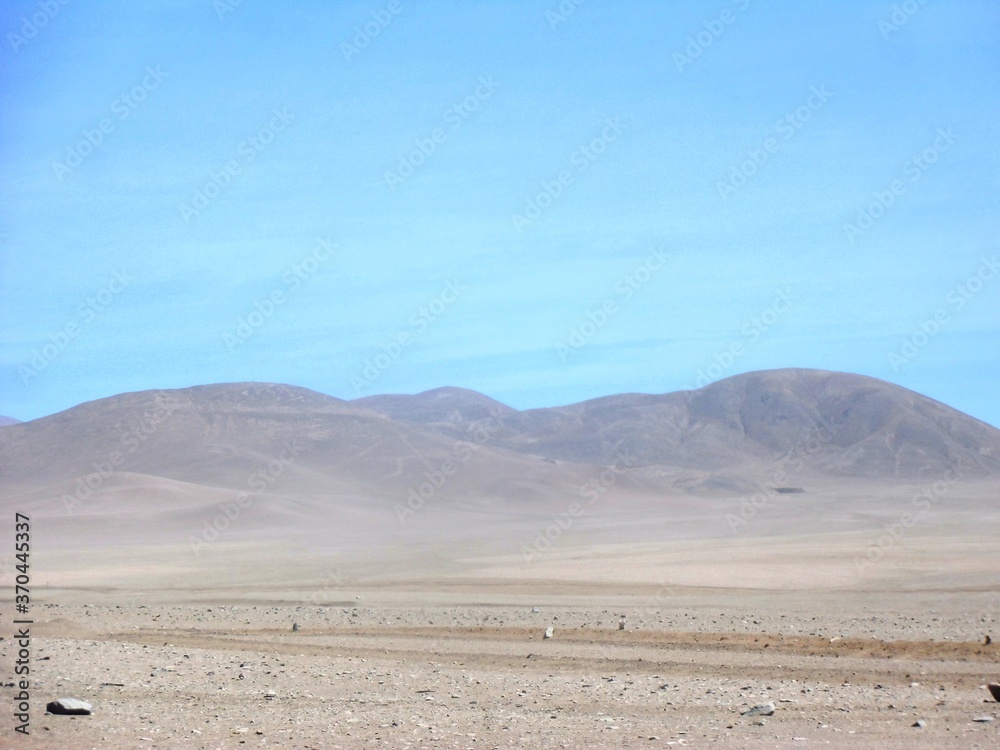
{"type": "Point", "coordinates": [544, 202]}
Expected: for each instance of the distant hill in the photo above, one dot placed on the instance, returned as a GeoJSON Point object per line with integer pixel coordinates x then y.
{"type": "Point", "coordinates": [447, 410]}
{"type": "Point", "coordinates": [808, 421]}
{"type": "Point", "coordinates": [238, 435]}
{"type": "Point", "coordinates": [4, 421]}
{"type": "Point", "coordinates": [730, 437]}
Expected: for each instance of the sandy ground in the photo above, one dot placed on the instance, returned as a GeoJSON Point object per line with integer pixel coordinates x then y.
{"type": "Point", "coordinates": [462, 663]}
{"type": "Point", "coordinates": [425, 634]}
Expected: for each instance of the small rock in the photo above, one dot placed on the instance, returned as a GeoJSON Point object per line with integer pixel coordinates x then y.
{"type": "Point", "coordinates": [994, 689]}
{"type": "Point", "coordinates": [764, 709]}
{"type": "Point", "coordinates": [535, 610]}
{"type": "Point", "coordinates": [621, 624]}
{"type": "Point", "coordinates": [295, 627]}
{"type": "Point", "coordinates": [983, 719]}
{"type": "Point", "coordinates": [549, 632]}
{"type": "Point", "coordinates": [919, 724]}
{"type": "Point", "coordinates": [69, 707]}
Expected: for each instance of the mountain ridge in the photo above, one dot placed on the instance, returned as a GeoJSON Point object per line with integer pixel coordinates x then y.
{"type": "Point", "coordinates": [731, 436]}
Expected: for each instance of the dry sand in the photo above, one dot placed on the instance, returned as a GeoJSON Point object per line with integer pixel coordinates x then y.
{"type": "Point", "coordinates": [432, 652]}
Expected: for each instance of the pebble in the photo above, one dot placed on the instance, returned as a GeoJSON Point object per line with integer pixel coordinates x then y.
{"type": "Point", "coordinates": [69, 707]}
{"type": "Point", "coordinates": [764, 709]}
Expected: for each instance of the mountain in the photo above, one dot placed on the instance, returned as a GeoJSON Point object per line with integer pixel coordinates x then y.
{"type": "Point", "coordinates": [737, 435]}
{"type": "Point", "coordinates": [4, 421]}
{"type": "Point", "coordinates": [447, 410]}
{"type": "Point", "coordinates": [247, 436]}
{"type": "Point", "coordinates": [806, 422]}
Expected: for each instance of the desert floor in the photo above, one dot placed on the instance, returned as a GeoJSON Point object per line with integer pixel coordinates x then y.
{"type": "Point", "coordinates": [451, 654]}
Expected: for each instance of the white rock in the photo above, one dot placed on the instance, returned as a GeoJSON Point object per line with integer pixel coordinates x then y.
{"type": "Point", "coordinates": [764, 709]}
{"type": "Point", "coordinates": [69, 707]}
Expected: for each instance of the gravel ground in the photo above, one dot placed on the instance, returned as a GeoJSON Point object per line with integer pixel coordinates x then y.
{"type": "Point", "coordinates": [383, 671]}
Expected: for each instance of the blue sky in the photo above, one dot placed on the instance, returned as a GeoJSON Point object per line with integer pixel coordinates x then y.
{"type": "Point", "coordinates": [544, 202]}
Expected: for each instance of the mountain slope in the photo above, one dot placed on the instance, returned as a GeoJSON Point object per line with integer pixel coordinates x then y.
{"type": "Point", "coordinates": [259, 439]}
{"type": "Point", "coordinates": [808, 421]}
{"type": "Point", "coordinates": [733, 436]}
{"type": "Point", "coordinates": [438, 406]}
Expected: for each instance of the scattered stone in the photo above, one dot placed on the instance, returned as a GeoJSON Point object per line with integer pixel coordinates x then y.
{"type": "Point", "coordinates": [69, 707]}
{"type": "Point", "coordinates": [994, 689]}
{"type": "Point", "coordinates": [535, 610]}
{"type": "Point", "coordinates": [621, 624]}
{"type": "Point", "coordinates": [983, 719]}
{"type": "Point", "coordinates": [919, 724]}
{"type": "Point", "coordinates": [764, 709]}
{"type": "Point", "coordinates": [987, 640]}
{"type": "Point", "coordinates": [549, 632]}
{"type": "Point", "coordinates": [295, 627]}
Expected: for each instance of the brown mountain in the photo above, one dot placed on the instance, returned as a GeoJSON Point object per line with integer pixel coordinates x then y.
{"type": "Point", "coordinates": [808, 421]}
{"type": "Point", "coordinates": [732, 436]}
{"type": "Point", "coordinates": [252, 437]}
{"type": "Point", "coordinates": [447, 410]}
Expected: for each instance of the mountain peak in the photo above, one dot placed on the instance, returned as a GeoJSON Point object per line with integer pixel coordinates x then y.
{"type": "Point", "coordinates": [446, 405]}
